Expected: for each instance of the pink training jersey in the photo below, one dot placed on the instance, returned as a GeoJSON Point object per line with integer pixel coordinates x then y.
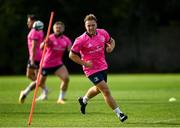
{"type": "Point", "coordinates": [55, 49]}
{"type": "Point", "coordinates": [92, 49]}
{"type": "Point", "coordinates": [38, 36]}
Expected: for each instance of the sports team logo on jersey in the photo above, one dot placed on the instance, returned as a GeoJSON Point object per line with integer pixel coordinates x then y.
{"type": "Point", "coordinates": [90, 45]}
{"type": "Point", "coordinates": [55, 43]}
{"type": "Point", "coordinates": [96, 79]}
{"type": "Point", "coordinates": [63, 43]}
{"type": "Point", "coordinates": [102, 39]}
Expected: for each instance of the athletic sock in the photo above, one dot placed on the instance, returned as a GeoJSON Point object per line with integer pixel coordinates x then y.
{"type": "Point", "coordinates": [85, 99]}
{"type": "Point", "coordinates": [45, 90]}
{"type": "Point", "coordinates": [30, 87]}
{"type": "Point", "coordinates": [117, 111]}
{"type": "Point", "coordinates": [61, 95]}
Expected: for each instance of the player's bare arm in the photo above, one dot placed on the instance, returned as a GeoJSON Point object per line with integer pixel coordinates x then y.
{"type": "Point", "coordinates": [45, 42]}
{"type": "Point", "coordinates": [42, 45]}
{"type": "Point", "coordinates": [34, 43]}
{"type": "Point", "coordinates": [69, 48]}
{"type": "Point", "coordinates": [110, 46]}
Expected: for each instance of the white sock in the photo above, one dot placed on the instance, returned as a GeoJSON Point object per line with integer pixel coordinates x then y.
{"type": "Point", "coordinates": [30, 87]}
{"type": "Point", "coordinates": [44, 90]}
{"type": "Point", "coordinates": [61, 95]}
{"type": "Point", "coordinates": [85, 99]}
{"type": "Point", "coordinates": [26, 91]}
{"type": "Point", "coordinates": [117, 111]}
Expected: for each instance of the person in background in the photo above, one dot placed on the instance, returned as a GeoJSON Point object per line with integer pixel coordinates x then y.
{"type": "Point", "coordinates": [34, 39]}
{"type": "Point", "coordinates": [56, 46]}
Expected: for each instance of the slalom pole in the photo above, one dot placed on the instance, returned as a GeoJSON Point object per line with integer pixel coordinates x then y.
{"type": "Point", "coordinates": [40, 70]}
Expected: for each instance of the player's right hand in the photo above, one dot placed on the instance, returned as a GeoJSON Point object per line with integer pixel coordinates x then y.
{"type": "Point", "coordinates": [88, 64]}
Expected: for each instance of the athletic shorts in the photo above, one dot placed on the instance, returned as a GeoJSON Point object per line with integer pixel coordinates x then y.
{"type": "Point", "coordinates": [51, 70]}
{"type": "Point", "coordinates": [35, 66]}
{"type": "Point", "coordinates": [98, 77]}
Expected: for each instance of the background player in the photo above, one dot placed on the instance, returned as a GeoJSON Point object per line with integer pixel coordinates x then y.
{"type": "Point", "coordinates": [57, 44]}
{"type": "Point", "coordinates": [34, 38]}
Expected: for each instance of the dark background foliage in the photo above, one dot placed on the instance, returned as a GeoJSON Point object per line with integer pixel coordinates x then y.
{"type": "Point", "coordinates": [147, 32]}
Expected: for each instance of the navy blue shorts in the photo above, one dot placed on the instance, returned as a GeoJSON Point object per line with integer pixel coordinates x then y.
{"type": "Point", "coordinates": [51, 70]}
{"type": "Point", "coordinates": [35, 66]}
{"type": "Point", "coordinates": [98, 77]}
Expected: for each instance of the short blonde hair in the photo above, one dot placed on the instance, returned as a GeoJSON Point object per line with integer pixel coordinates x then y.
{"type": "Point", "coordinates": [90, 17]}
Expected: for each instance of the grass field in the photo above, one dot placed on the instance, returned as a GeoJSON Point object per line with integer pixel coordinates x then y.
{"type": "Point", "coordinates": [144, 98]}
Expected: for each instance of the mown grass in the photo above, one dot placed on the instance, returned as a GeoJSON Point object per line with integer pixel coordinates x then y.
{"type": "Point", "coordinates": [144, 98]}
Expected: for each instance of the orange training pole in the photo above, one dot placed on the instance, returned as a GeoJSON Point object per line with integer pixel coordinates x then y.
{"type": "Point", "coordinates": [40, 69]}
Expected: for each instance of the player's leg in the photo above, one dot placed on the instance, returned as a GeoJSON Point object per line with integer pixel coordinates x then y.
{"type": "Point", "coordinates": [30, 87]}
{"type": "Point", "coordinates": [92, 92]}
{"type": "Point", "coordinates": [63, 74]}
{"type": "Point", "coordinates": [30, 73]}
{"type": "Point", "coordinates": [43, 77]}
{"type": "Point", "coordinates": [102, 86]}
{"type": "Point", "coordinates": [26, 91]}
{"type": "Point", "coordinates": [31, 70]}
{"type": "Point", "coordinates": [44, 93]}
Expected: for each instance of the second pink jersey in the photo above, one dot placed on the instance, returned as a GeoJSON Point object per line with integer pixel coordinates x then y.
{"type": "Point", "coordinates": [38, 36]}
{"type": "Point", "coordinates": [55, 50]}
{"type": "Point", "coordinates": [92, 49]}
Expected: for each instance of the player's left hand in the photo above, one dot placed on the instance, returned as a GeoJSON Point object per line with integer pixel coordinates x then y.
{"type": "Point", "coordinates": [109, 49]}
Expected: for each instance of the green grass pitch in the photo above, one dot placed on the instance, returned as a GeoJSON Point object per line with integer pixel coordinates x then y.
{"type": "Point", "coordinates": [144, 98]}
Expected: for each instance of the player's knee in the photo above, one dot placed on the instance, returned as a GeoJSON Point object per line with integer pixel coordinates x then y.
{"type": "Point", "coordinates": [31, 77]}
{"type": "Point", "coordinates": [106, 92]}
{"type": "Point", "coordinates": [28, 76]}
{"type": "Point", "coordinates": [66, 80]}
{"type": "Point", "coordinates": [97, 90]}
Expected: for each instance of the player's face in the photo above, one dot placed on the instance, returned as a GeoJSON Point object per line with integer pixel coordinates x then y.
{"type": "Point", "coordinates": [30, 23]}
{"type": "Point", "coordinates": [91, 26]}
{"type": "Point", "coordinates": [58, 29]}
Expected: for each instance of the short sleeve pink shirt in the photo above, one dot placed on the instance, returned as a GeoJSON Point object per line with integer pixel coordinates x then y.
{"type": "Point", "coordinates": [55, 50]}
{"type": "Point", "coordinates": [92, 49]}
{"type": "Point", "coordinates": [37, 36]}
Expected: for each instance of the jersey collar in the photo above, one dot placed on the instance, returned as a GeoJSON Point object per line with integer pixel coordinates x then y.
{"type": "Point", "coordinates": [91, 35]}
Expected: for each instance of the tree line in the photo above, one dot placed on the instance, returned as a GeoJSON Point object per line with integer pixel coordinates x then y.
{"type": "Point", "coordinates": [147, 32]}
